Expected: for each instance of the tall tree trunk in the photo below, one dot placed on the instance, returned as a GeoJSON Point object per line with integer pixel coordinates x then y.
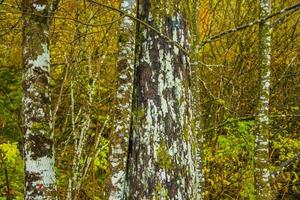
{"type": "Point", "coordinates": [195, 98]}
{"type": "Point", "coordinates": [161, 151]}
{"type": "Point", "coordinates": [262, 173]}
{"type": "Point", "coordinates": [38, 146]}
{"type": "Point", "coordinates": [122, 119]}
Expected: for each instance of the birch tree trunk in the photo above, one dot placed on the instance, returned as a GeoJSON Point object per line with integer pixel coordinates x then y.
{"type": "Point", "coordinates": [161, 150]}
{"type": "Point", "coordinates": [122, 119]}
{"type": "Point", "coordinates": [262, 173]}
{"type": "Point", "coordinates": [38, 145]}
{"type": "Point", "coordinates": [195, 97]}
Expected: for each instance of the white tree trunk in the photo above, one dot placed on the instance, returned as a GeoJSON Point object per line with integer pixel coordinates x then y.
{"type": "Point", "coordinates": [81, 123]}
{"type": "Point", "coordinates": [262, 173]}
{"type": "Point", "coordinates": [38, 144]}
{"type": "Point", "coordinates": [122, 118]}
{"type": "Point", "coordinates": [195, 99]}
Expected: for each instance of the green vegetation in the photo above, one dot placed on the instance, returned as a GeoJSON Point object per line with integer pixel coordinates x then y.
{"type": "Point", "coordinates": [225, 83]}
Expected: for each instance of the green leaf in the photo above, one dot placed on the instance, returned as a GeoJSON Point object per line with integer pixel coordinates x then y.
{"type": "Point", "coordinates": [10, 151]}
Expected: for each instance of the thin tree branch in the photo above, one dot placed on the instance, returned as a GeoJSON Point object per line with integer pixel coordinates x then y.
{"type": "Point", "coordinates": [285, 164]}
{"type": "Point", "coordinates": [252, 117]}
{"type": "Point", "coordinates": [11, 28]}
{"type": "Point", "coordinates": [168, 39]}
{"type": "Point", "coordinates": [8, 197]}
{"type": "Point", "coordinates": [54, 6]}
{"type": "Point", "coordinates": [292, 8]}
{"type": "Point", "coordinates": [66, 18]}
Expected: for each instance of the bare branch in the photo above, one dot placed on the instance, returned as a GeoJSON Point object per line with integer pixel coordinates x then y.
{"type": "Point", "coordinates": [252, 117]}
{"type": "Point", "coordinates": [292, 8]}
{"type": "Point", "coordinates": [168, 39]}
{"type": "Point", "coordinates": [285, 164]}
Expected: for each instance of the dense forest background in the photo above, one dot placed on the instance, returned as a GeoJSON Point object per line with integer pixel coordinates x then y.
{"type": "Point", "coordinates": [84, 48]}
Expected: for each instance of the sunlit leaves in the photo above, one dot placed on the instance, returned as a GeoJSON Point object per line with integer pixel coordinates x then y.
{"type": "Point", "coordinates": [101, 161]}
{"type": "Point", "coordinates": [228, 163]}
{"type": "Point", "coordinates": [10, 152]}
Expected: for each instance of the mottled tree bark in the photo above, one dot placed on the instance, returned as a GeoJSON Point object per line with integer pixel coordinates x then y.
{"type": "Point", "coordinates": [38, 144]}
{"type": "Point", "coordinates": [122, 118]}
{"type": "Point", "coordinates": [262, 173]}
{"type": "Point", "coordinates": [161, 151]}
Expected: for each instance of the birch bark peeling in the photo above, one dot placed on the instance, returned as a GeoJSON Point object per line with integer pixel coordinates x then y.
{"type": "Point", "coordinates": [161, 151]}
{"type": "Point", "coordinates": [122, 119]}
{"type": "Point", "coordinates": [38, 144]}
{"type": "Point", "coordinates": [262, 173]}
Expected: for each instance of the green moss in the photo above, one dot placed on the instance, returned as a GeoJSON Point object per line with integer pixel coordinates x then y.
{"type": "Point", "coordinates": [160, 192]}
{"type": "Point", "coordinates": [185, 134]}
{"type": "Point", "coordinates": [123, 38]}
{"type": "Point", "coordinates": [164, 159]}
{"type": "Point", "coordinates": [36, 126]}
{"type": "Point", "coordinates": [137, 115]}
{"type": "Point", "coordinates": [140, 113]}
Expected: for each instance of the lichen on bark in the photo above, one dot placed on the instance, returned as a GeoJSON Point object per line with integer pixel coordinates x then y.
{"type": "Point", "coordinates": [123, 99]}
{"type": "Point", "coordinates": [161, 154]}
{"type": "Point", "coordinates": [38, 144]}
{"type": "Point", "coordinates": [262, 171]}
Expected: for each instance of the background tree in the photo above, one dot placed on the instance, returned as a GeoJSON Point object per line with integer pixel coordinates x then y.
{"type": "Point", "coordinates": [227, 75]}
{"type": "Point", "coordinates": [194, 56]}
{"type": "Point", "coordinates": [123, 103]}
{"type": "Point", "coordinates": [262, 171]}
{"type": "Point", "coordinates": [83, 80]}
